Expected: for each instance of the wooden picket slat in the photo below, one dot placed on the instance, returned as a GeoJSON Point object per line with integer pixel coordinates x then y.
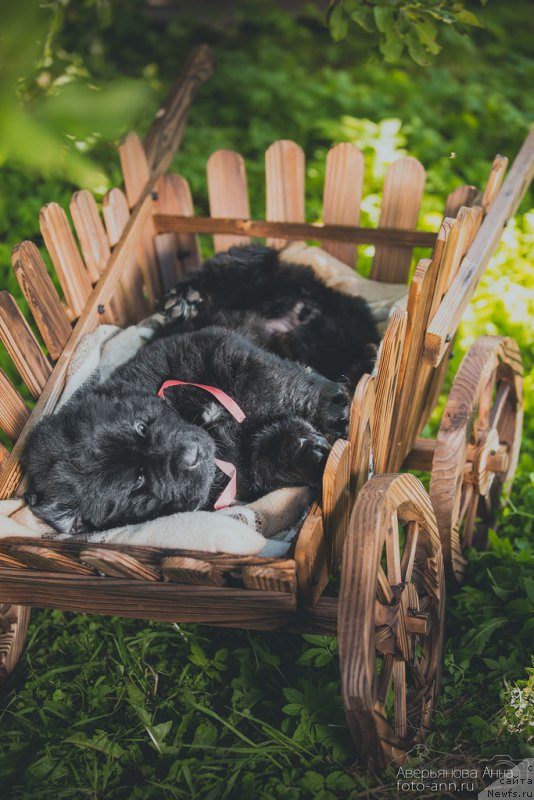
{"type": "Point", "coordinates": [312, 557]}
{"type": "Point", "coordinates": [136, 172]}
{"type": "Point", "coordinates": [284, 185]}
{"type": "Point", "coordinates": [131, 283]}
{"type": "Point", "coordinates": [342, 195]}
{"type": "Point", "coordinates": [96, 250]}
{"type": "Point", "coordinates": [336, 499]}
{"type": "Point", "coordinates": [493, 186]}
{"type": "Point", "coordinates": [47, 309]}
{"type": "Point", "coordinates": [13, 410]}
{"type": "Point", "coordinates": [360, 432]}
{"type": "Point", "coordinates": [91, 233]}
{"type": "Point", "coordinates": [461, 196]}
{"type": "Point", "coordinates": [68, 263]}
{"type": "Point", "coordinates": [389, 360]}
{"type": "Point", "coordinates": [403, 192]}
{"type": "Point", "coordinates": [22, 346]}
{"type": "Point", "coordinates": [228, 193]}
{"type": "Point", "coordinates": [177, 253]}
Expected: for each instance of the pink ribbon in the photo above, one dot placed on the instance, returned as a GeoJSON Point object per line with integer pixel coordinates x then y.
{"type": "Point", "coordinates": [229, 469]}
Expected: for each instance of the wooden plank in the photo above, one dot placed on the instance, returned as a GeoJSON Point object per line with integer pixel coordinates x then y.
{"type": "Point", "coordinates": [183, 569]}
{"type": "Point", "coordinates": [284, 184]}
{"type": "Point", "coordinates": [496, 177]}
{"type": "Point", "coordinates": [68, 263]}
{"type": "Point", "coordinates": [177, 253]}
{"type": "Point", "coordinates": [394, 237]}
{"type": "Point", "coordinates": [47, 309]}
{"type": "Point", "coordinates": [228, 193]}
{"type": "Point", "coordinates": [22, 346]}
{"type": "Point", "coordinates": [277, 577]}
{"type": "Point", "coordinates": [386, 385]}
{"type": "Point", "coordinates": [403, 192]}
{"type": "Point", "coordinates": [42, 558]}
{"type": "Point", "coordinates": [136, 172]}
{"type": "Point", "coordinates": [172, 602]}
{"type": "Point", "coordinates": [116, 564]}
{"type": "Point", "coordinates": [167, 130]}
{"type": "Point", "coordinates": [360, 432]}
{"type": "Point", "coordinates": [312, 557]}
{"type": "Point", "coordinates": [91, 234]}
{"type": "Point", "coordinates": [336, 500]}
{"type": "Point", "coordinates": [96, 251]}
{"type": "Point", "coordinates": [421, 455]}
{"type": "Point", "coordinates": [13, 410]}
{"type": "Point", "coordinates": [445, 322]}
{"type": "Point", "coordinates": [131, 283]}
{"type": "Point", "coordinates": [342, 195]}
{"type": "Point", "coordinates": [461, 196]}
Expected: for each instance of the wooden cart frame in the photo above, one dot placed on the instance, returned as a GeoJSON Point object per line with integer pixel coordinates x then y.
{"type": "Point", "coordinates": [394, 540]}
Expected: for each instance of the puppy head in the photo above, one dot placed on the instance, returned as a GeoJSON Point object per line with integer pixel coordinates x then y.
{"type": "Point", "coordinates": [108, 461]}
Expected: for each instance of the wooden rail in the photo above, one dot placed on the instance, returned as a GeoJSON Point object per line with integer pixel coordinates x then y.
{"type": "Point", "coordinates": [445, 322]}
{"type": "Point", "coordinates": [398, 237]}
{"type": "Point", "coordinates": [169, 132]}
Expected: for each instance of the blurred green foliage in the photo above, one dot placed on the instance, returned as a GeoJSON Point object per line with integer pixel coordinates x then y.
{"type": "Point", "coordinates": [125, 709]}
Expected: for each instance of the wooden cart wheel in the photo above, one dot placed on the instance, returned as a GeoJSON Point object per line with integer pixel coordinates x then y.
{"type": "Point", "coordinates": [390, 618]}
{"type": "Point", "coordinates": [13, 626]}
{"type": "Point", "coordinates": [477, 447]}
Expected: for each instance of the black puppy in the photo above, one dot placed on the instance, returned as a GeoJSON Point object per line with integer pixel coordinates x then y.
{"type": "Point", "coordinates": [282, 307]}
{"type": "Point", "coordinates": [118, 453]}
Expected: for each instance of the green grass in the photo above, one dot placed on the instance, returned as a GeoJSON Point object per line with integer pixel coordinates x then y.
{"type": "Point", "coordinates": [112, 708]}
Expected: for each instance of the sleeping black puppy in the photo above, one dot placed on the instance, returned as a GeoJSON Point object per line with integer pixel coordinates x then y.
{"type": "Point", "coordinates": [132, 449]}
{"type": "Point", "coordinates": [282, 307]}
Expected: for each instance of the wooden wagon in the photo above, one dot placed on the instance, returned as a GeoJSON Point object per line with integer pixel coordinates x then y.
{"type": "Point", "coordinates": [393, 539]}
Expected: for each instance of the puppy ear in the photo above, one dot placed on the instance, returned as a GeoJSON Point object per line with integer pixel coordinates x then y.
{"type": "Point", "coordinates": [30, 499]}
{"type": "Point", "coordinates": [62, 519]}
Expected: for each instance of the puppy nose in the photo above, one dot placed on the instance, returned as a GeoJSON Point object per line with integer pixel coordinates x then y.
{"type": "Point", "coordinates": [191, 454]}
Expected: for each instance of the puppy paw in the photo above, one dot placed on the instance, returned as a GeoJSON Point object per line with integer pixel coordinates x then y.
{"type": "Point", "coordinates": [310, 456]}
{"type": "Point", "coordinates": [182, 302]}
{"type": "Point", "coordinates": [333, 414]}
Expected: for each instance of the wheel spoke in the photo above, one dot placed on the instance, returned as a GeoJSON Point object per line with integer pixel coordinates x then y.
{"type": "Point", "coordinates": [393, 552]}
{"type": "Point", "coordinates": [384, 589]}
{"type": "Point", "coordinates": [484, 408]}
{"type": "Point", "coordinates": [469, 525]}
{"type": "Point", "coordinates": [384, 679]}
{"type": "Point", "coordinates": [500, 403]}
{"type": "Point", "coordinates": [399, 686]}
{"type": "Point", "coordinates": [410, 550]}
{"type": "Point", "coordinates": [469, 490]}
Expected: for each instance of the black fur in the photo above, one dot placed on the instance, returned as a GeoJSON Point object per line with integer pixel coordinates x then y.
{"type": "Point", "coordinates": [116, 453]}
{"type": "Point", "coordinates": [281, 307]}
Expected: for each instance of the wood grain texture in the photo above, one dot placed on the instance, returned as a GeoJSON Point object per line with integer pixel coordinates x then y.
{"type": "Point", "coordinates": [284, 185]}
{"type": "Point", "coordinates": [473, 427]}
{"type": "Point", "coordinates": [361, 422]}
{"type": "Point", "coordinates": [136, 172]}
{"type": "Point", "coordinates": [342, 196]}
{"type": "Point", "coordinates": [394, 237]}
{"type": "Point", "coordinates": [172, 602]}
{"type": "Point", "coordinates": [15, 621]}
{"type": "Point", "coordinates": [421, 455]}
{"type": "Point", "coordinates": [378, 734]}
{"type": "Point", "coordinates": [61, 245]}
{"type": "Point", "coordinates": [228, 193]}
{"type": "Point", "coordinates": [389, 361]}
{"type": "Point", "coordinates": [22, 346]}
{"type": "Point", "coordinates": [493, 186]}
{"type": "Point", "coordinates": [130, 287]}
{"type": "Point", "coordinates": [336, 499]}
{"type": "Point", "coordinates": [401, 201]}
{"type": "Point", "coordinates": [183, 569]}
{"type": "Point", "coordinates": [13, 410]}
{"type": "Point", "coordinates": [91, 233]}
{"type": "Point", "coordinates": [167, 130]}
{"type": "Point", "coordinates": [312, 558]}
{"type": "Point", "coordinates": [277, 577]}
{"type": "Point", "coordinates": [177, 253]}
{"type": "Point", "coordinates": [117, 564]}
{"type": "Point", "coordinates": [445, 322]}
{"type": "Point", "coordinates": [46, 307]}
{"type": "Point", "coordinates": [461, 196]}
